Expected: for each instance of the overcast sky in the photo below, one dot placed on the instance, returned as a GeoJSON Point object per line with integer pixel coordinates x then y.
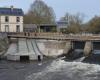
{"type": "Point", "coordinates": [87, 7]}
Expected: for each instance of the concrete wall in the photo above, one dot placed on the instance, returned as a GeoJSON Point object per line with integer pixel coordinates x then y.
{"type": "Point", "coordinates": [13, 57]}
{"type": "Point", "coordinates": [68, 47]}
{"type": "Point", "coordinates": [88, 48]}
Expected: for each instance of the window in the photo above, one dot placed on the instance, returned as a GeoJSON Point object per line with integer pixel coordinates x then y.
{"type": "Point", "coordinates": [17, 28]}
{"type": "Point", "coordinates": [17, 19]}
{"type": "Point", "coordinates": [6, 19]}
{"type": "Point", "coordinates": [6, 28]}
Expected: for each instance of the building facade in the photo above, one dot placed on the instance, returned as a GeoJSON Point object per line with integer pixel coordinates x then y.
{"type": "Point", "coordinates": [62, 26]}
{"type": "Point", "coordinates": [11, 20]}
{"type": "Point", "coordinates": [30, 27]}
{"type": "Point", "coordinates": [47, 28]}
{"type": "Point", "coordinates": [40, 28]}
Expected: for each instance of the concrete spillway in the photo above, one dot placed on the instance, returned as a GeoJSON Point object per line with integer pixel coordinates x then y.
{"type": "Point", "coordinates": [12, 49]}
{"type": "Point", "coordinates": [31, 51]}
{"type": "Point", "coordinates": [22, 45]}
{"type": "Point", "coordinates": [24, 49]}
{"type": "Point", "coordinates": [36, 49]}
{"type": "Point", "coordinates": [30, 46]}
{"type": "Point", "coordinates": [51, 48]}
{"type": "Point", "coordinates": [88, 48]}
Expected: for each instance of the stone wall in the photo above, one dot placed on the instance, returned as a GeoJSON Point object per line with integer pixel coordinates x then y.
{"type": "Point", "coordinates": [4, 43]}
{"type": "Point", "coordinates": [51, 48]}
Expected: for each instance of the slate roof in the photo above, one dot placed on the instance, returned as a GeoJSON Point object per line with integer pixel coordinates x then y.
{"type": "Point", "coordinates": [9, 11]}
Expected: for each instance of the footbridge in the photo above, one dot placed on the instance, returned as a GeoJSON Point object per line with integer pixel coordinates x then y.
{"type": "Point", "coordinates": [87, 43]}
{"type": "Point", "coordinates": [55, 36]}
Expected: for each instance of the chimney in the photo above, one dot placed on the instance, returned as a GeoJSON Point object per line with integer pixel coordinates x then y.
{"type": "Point", "coordinates": [12, 7]}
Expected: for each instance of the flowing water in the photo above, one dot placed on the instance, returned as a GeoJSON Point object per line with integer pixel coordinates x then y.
{"type": "Point", "coordinates": [80, 59]}
{"type": "Point", "coordinates": [62, 70]}
{"type": "Point", "coordinates": [79, 68]}
{"type": "Point", "coordinates": [49, 69]}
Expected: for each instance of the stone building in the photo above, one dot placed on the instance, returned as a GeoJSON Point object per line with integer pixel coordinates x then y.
{"type": "Point", "coordinates": [11, 19]}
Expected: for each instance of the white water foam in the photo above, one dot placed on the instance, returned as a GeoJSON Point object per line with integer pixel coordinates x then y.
{"type": "Point", "coordinates": [80, 59]}
{"type": "Point", "coordinates": [61, 70]}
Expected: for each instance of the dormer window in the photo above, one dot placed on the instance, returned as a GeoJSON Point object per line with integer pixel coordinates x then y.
{"type": "Point", "coordinates": [17, 19]}
{"type": "Point", "coordinates": [6, 19]}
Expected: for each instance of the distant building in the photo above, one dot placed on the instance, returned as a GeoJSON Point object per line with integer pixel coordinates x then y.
{"type": "Point", "coordinates": [61, 25]}
{"type": "Point", "coordinates": [40, 27]}
{"type": "Point", "coordinates": [47, 28]}
{"type": "Point", "coordinates": [11, 19]}
{"type": "Point", "coordinates": [30, 27]}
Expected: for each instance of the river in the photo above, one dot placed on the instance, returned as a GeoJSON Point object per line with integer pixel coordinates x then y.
{"type": "Point", "coordinates": [52, 69]}
{"type": "Point", "coordinates": [62, 68]}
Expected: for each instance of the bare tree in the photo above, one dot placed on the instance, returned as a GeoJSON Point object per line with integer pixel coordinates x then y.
{"type": "Point", "coordinates": [40, 13]}
{"type": "Point", "coordinates": [74, 22]}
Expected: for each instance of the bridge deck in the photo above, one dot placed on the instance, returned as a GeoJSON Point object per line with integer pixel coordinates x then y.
{"type": "Point", "coordinates": [59, 37]}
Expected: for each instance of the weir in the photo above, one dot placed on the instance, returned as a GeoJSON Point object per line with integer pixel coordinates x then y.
{"type": "Point", "coordinates": [73, 46]}
{"type": "Point", "coordinates": [25, 49]}
{"type": "Point", "coordinates": [73, 43]}
{"type": "Point", "coordinates": [78, 50]}
{"type": "Point", "coordinates": [87, 47]}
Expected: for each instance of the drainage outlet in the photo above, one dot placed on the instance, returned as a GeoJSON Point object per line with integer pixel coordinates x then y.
{"type": "Point", "coordinates": [24, 58]}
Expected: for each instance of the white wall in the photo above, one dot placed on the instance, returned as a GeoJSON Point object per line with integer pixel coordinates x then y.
{"type": "Point", "coordinates": [12, 19]}
{"type": "Point", "coordinates": [12, 23]}
{"type": "Point", "coordinates": [12, 27]}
